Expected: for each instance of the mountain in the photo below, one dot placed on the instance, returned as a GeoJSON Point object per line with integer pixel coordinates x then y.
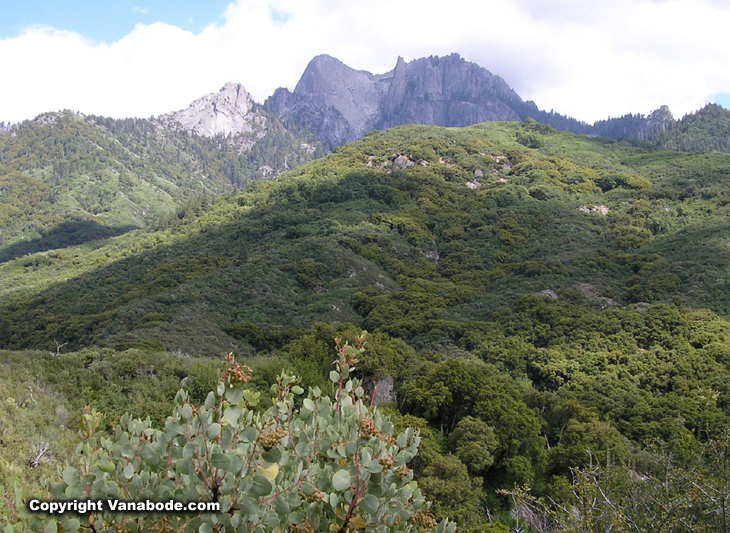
{"type": "Point", "coordinates": [65, 177]}
{"type": "Point", "coordinates": [706, 130]}
{"type": "Point", "coordinates": [336, 102]}
{"type": "Point", "coordinates": [230, 117]}
{"type": "Point", "coordinates": [69, 178]}
{"type": "Point", "coordinates": [637, 126]}
{"type": "Point", "coordinates": [445, 91]}
{"type": "Point", "coordinates": [550, 310]}
{"type": "Point", "coordinates": [341, 104]}
{"type": "Point", "coordinates": [230, 111]}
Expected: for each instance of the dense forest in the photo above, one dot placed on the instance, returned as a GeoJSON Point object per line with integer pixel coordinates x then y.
{"type": "Point", "coordinates": [549, 311]}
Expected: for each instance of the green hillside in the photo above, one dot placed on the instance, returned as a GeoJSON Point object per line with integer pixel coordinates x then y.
{"type": "Point", "coordinates": [348, 239]}
{"type": "Point", "coordinates": [67, 179]}
{"type": "Point", "coordinates": [706, 130]}
{"type": "Point", "coordinates": [552, 308]}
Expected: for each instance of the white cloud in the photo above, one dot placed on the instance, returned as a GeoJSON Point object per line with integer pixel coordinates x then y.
{"type": "Point", "coordinates": [585, 58]}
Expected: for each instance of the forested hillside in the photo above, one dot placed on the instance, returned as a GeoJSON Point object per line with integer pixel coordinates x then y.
{"type": "Point", "coordinates": [67, 179]}
{"type": "Point", "coordinates": [552, 310]}
{"type": "Point", "coordinates": [707, 130]}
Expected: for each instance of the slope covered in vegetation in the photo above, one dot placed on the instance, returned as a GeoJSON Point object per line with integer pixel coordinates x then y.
{"type": "Point", "coordinates": [552, 310]}
{"type": "Point", "coordinates": [352, 238]}
{"type": "Point", "coordinates": [67, 179]}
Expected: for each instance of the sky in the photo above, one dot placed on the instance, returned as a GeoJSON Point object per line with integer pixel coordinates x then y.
{"type": "Point", "coordinates": [589, 59]}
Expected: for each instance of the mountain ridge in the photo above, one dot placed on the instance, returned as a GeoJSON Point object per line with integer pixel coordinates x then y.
{"type": "Point", "coordinates": [336, 104]}
{"type": "Point", "coordinates": [514, 199]}
{"type": "Point", "coordinates": [341, 104]}
{"type": "Point", "coordinates": [65, 168]}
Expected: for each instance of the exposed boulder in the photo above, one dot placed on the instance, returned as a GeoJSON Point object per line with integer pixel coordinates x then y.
{"type": "Point", "coordinates": [402, 162]}
{"type": "Point", "coordinates": [599, 209]}
{"type": "Point", "coordinates": [548, 293]}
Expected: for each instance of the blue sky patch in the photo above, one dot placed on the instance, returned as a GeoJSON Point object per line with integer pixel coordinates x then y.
{"type": "Point", "coordinates": [280, 17]}
{"type": "Point", "coordinates": [722, 99]}
{"type": "Point", "coordinates": [107, 21]}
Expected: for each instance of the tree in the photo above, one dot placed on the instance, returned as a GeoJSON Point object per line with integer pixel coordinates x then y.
{"type": "Point", "coordinates": [308, 463]}
{"type": "Point", "coordinates": [446, 480]}
{"type": "Point", "coordinates": [473, 442]}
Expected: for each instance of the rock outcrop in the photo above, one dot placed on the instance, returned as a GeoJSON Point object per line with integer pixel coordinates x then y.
{"type": "Point", "coordinates": [656, 123]}
{"type": "Point", "coordinates": [338, 103]}
{"type": "Point", "coordinates": [445, 91]}
{"type": "Point", "coordinates": [227, 112]}
{"type": "Point", "coordinates": [232, 119]}
{"type": "Point", "coordinates": [341, 104]}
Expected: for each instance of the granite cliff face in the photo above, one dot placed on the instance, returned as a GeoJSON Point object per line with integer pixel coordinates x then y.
{"type": "Point", "coordinates": [341, 104]}
{"type": "Point", "coordinates": [229, 111]}
{"type": "Point", "coordinates": [445, 91]}
{"type": "Point", "coordinates": [234, 122]}
{"type": "Point", "coordinates": [338, 103]}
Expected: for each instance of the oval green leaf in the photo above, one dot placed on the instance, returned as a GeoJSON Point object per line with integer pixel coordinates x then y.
{"type": "Point", "coordinates": [341, 480]}
{"type": "Point", "coordinates": [70, 476]}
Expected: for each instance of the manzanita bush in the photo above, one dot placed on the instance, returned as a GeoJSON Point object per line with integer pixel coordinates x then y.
{"type": "Point", "coordinates": [308, 463]}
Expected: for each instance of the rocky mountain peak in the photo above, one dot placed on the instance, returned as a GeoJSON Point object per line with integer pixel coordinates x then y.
{"type": "Point", "coordinates": [229, 111]}
{"type": "Point", "coordinates": [355, 94]}
{"type": "Point", "coordinates": [446, 91]}
{"type": "Point", "coordinates": [340, 104]}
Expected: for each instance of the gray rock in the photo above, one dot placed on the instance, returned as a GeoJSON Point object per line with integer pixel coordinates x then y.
{"type": "Point", "coordinates": [381, 390]}
{"type": "Point", "coordinates": [402, 162]}
{"type": "Point", "coordinates": [600, 209]}
{"type": "Point", "coordinates": [657, 122]}
{"type": "Point", "coordinates": [341, 104]}
{"type": "Point", "coordinates": [229, 111]}
{"type": "Point", "coordinates": [445, 91]}
{"type": "Point", "coordinates": [336, 102]}
{"type": "Point", "coordinates": [549, 293]}
{"type": "Point", "coordinates": [606, 303]}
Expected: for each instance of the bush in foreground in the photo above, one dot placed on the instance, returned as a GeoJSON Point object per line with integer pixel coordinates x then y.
{"type": "Point", "coordinates": [308, 463]}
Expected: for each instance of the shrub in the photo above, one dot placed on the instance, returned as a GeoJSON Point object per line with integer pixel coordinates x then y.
{"type": "Point", "coordinates": [309, 463]}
